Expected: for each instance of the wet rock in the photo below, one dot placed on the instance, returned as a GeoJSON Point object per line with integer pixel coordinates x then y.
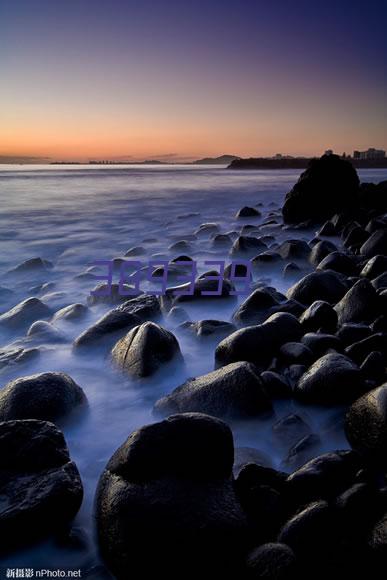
{"type": "Point", "coordinates": [358, 351]}
{"type": "Point", "coordinates": [374, 267]}
{"type": "Point", "coordinates": [180, 246]}
{"type": "Point", "coordinates": [374, 367]}
{"type": "Point", "coordinates": [294, 250]}
{"type": "Point", "coordinates": [379, 324]}
{"type": "Point", "coordinates": [289, 430]}
{"type": "Point", "coordinates": [247, 246]}
{"type": "Point", "coordinates": [259, 344]}
{"type": "Point", "coordinates": [272, 561]}
{"type": "Point", "coordinates": [320, 343]}
{"type": "Point", "coordinates": [207, 229]}
{"type": "Point", "coordinates": [323, 477]}
{"type": "Point", "coordinates": [232, 391]}
{"type": "Point", "coordinates": [135, 251]}
{"type": "Point", "coordinates": [311, 532]}
{"type": "Point", "coordinates": [319, 285]}
{"type": "Point", "coordinates": [293, 374]}
{"type": "Point", "coordinates": [24, 314]}
{"type": "Point", "coordinates": [111, 294]}
{"type": "Point", "coordinates": [32, 266]}
{"type": "Point", "coordinates": [47, 396]}
{"type": "Point", "coordinates": [328, 229]}
{"type": "Point", "coordinates": [351, 332]}
{"type": "Point", "coordinates": [359, 304]}
{"type": "Point", "coordinates": [275, 385]}
{"type": "Point", "coordinates": [380, 282]}
{"type": "Point", "coordinates": [320, 250]}
{"type": "Point", "coordinates": [177, 315]}
{"type": "Point", "coordinates": [319, 316]}
{"type": "Point", "coordinates": [328, 186]}
{"type": "Point", "coordinates": [203, 329]}
{"type": "Point", "coordinates": [366, 425]}
{"type": "Point", "coordinates": [40, 486]}
{"type": "Point", "coordinates": [333, 379]}
{"type": "Point", "coordinates": [338, 262]}
{"type": "Point", "coordinates": [73, 312]}
{"type": "Point", "coordinates": [114, 324]}
{"type": "Point", "coordinates": [246, 212]}
{"type": "Point", "coordinates": [221, 241]}
{"type": "Point", "coordinates": [266, 260]}
{"type": "Point", "coordinates": [20, 356]}
{"type": "Point", "coordinates": [355, 237]}
{"type": "Point", "coordinates": [291, 271]}
{"type": "Point", "coordinates": [292, 353]}
{"type": "Point", "coordinates": [182, 465]}
{"type": "Point", "coordinates": [302, 451]}
{"type": "Point", "coordinates": [376, 244]}
{"type": "Point", "coordinates": [42, 330]}
{"type": "Point", "coordinates": [262, 303]}
{"type": "Point", "coordinates": [145, 349]}
{"type": "Point", "coordinates": [249, 455]}
{"type": "Point", "coordinates": [203, 285]}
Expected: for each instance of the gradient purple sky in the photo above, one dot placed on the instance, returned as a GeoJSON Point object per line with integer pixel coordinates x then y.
{"type": "Point", "coordinates": [166, 79]}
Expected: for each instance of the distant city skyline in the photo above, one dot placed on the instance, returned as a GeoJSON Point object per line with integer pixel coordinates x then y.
{"type": "Point", "coordinates": [180, 81]}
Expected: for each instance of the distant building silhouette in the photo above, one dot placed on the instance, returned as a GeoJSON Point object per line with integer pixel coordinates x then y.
{"type": "Point", "coordinates": [371, 153]}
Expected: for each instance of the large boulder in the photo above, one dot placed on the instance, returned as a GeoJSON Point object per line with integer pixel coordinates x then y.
{"type": "Point", "coordinates": [328, 186]}
{"type": "Point", "coordinates": [232, 391]}
{"type": "Point", "coordinates": [208, 329]}
{"type": "Point", "coordinates": [272, 561]}
{"type": "Point", "coordinates": [366, 425]}
{"type": "Point", "coordinates": [145, 349]}
{"type": "Point", "coordinates": [24, 314]}
{"type": "Point", "coordinates": [47, 396]}
{"type": "Point", "coordinates": [166, 500]}
{"type": "Point", "coordinates": [339, 262]}
{"type": "Point", "coordinates": [117, 322]}
{"type": "Point", "coordinates": [359, 304]}
{"type": "Point", "coordinates": [247, 246]}
{"type": "Point", "coordinates": [320, 285]}
{"type": "Point", "coordinates": [376, 244]}
{"type": "Point", "coordinates": [319, 315]}
{"type": "Point", "coordinates": [331, 380]}
{"type": "Point", "coordinates": [262, 303]}
{"type": "Point", "coordinates": [40, 487]}
{"type": "Point", "coordinates": [259, 344]}
{"type": "Point", "coordinates": [320, 250]}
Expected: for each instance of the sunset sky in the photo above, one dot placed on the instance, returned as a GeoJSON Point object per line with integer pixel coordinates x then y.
{"type": "Point", "coordinates": [175, 80]}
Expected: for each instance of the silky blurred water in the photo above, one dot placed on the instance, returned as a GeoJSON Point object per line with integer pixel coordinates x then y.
{"type": "Point", "coordinates": [75, 215]}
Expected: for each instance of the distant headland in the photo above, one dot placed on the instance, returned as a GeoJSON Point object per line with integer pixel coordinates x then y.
{"type": "Point", "coordinates": [370, 159]}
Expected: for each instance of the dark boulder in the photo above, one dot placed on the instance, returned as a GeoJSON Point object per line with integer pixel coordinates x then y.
{"type": "Point", "coordinates": [111, 294]}
{"type": "Point", "coordinates": [259, 344]}
{"type": "Point", "coordinates": [374, 367]}
{"type": "Point", "coordinates": [247, 246]}
{"type": "Point", "coordinates": [208, 329]}
{"type": "Point", "coordinates": [339, 262]}
{"type": "Point", "coordinates": [266, 260]}
{"type": "Point", "coordinates": [294, 250]}
{"type": "Point", "coordinates": [232, 391]}
{"type": "Point", "coordinates": [320, 342]}
{"type": "Point", "coordinates": [380, 282]}
{"type": "Point", "coordinates": [302, 451]}
{"type": "Point", "coordinates": [24, 314]}
{"type": "Point", "coordinates": [167, 491]}
{"type": "Point", "coordinates": [117, 322]}
{"type": "Point", "coordinates": [366, 425]}
{"type": "Point", "coordinates": [295, 353]}
{"type": "Point", "coordinates": [203, 289]}
{"type": "Point", "coordinates": [328, 229]}
{"type": "Point", "coordinates": [261, 304]}
{"type": "Point", "coordinates": [360, 303]}
{"type": "Point", "coordinates": [272, 561]}
{"type": "Point", "coordinates": [47, 396]}
{"type": "Point", "coordinates": [40, 486]}
{"type": "Point", "coordinates": [328, 186]}
{"type": "Point", "coordinates": [275, 385]}
{"type": "Point", "coordinates": [351, 332]}
{"type": "Point", "coordinates": [323, 477]}
{"type": "Point", "coordinates": [319, 316]}
{"type": "Point", "coordinates": [73, 312]}
{"type": "Point", "coordinates": [249, 456]}
{"type": "Point", "coordinates": [145, 349]}
{"type": "Point", "coordinates": [246, 212]}
{"type": "Point", "coordinates": [289, 430]}
{"type": "Point", "coordinates": [320, 250]}
{"type": "Point", "coordinates": [358, 351]}
{"type": "Point", "coordinates": [333, 379]}
{"type": "Point", "coordinates": [374, 267]}
{"type": "Point", "coordinates": [376, 244]}
{"type": "Point", "coordinates": [321, 285]}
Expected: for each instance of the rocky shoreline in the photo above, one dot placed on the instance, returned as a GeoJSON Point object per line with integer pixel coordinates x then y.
{"type": "Point", "coordinates": [176, 498]}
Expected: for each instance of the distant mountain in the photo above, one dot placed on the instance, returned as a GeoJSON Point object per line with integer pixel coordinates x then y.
{"type": "Point", "coordinates": [221, 160]}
